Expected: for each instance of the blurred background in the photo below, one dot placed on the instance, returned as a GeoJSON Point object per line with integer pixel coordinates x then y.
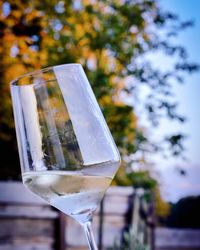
{"type": "Point", "coordinates": [142, 58]}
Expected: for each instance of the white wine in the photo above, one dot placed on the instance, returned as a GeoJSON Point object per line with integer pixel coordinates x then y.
{"type": "Point", "coordinates": [72, 192]}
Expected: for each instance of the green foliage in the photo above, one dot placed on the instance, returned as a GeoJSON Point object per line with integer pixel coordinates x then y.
{"type": "Point", "coordinates": [129, 242]}
{"type": "Point", "coordinates": [142, 179]}
{"type": "Point", "coordinates": [175, 142]}
{"type": "Point", "coordinates": [110, 39]}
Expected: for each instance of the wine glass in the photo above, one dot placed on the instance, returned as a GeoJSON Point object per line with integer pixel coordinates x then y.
{"type": "Point", "coordinates": [67, 154]}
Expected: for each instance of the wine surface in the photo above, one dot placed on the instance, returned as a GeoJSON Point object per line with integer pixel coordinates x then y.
{"type": "Point", "coordinates": [72, 192]}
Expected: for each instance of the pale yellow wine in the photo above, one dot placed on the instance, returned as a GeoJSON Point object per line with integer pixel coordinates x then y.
{"type": "Point", "coordinates": [71, 192]}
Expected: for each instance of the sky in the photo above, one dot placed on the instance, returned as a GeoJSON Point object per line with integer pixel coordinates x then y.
{"type": "Point", "coordinates": [173, 185]}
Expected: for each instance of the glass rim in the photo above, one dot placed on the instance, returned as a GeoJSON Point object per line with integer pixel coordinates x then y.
{"type": "Point", "coordinates": [39, 71]}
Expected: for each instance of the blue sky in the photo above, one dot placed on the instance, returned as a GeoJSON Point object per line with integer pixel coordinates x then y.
{"type": "Point", "coordinates": [175, 186]}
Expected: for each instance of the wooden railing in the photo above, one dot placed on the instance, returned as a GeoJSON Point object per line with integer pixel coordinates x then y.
{"type": "Point", "coordinates": [27, 222]}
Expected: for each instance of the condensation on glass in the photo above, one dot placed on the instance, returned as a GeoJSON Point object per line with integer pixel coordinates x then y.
{"type": "Point", "coordinates": [59, 123]}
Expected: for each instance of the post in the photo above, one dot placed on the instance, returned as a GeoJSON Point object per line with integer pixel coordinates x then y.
{"type": "Point", "coordinates": [100, 235]}
{"type": "Point", "coordinates": [60, 225]}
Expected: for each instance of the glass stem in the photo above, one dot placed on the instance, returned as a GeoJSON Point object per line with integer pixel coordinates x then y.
{"type": "Point", "coordinates": [89, 235]}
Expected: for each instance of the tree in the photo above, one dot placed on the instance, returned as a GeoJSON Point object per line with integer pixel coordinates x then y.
{"type": "Point", "coordinates": [185, 213]}
{"type": "Point", "coordinates": [108, 38]}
